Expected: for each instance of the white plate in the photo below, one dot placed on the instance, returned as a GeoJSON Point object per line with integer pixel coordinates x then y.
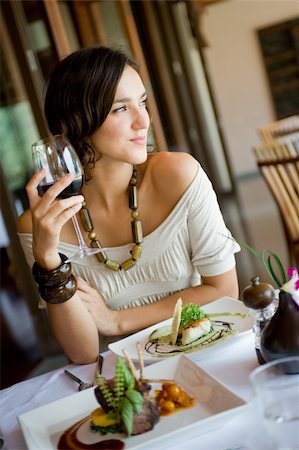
{"type": "Point", "coordinates": [239, 324]}
{"type": "Point", "coordinates": [42, 427]}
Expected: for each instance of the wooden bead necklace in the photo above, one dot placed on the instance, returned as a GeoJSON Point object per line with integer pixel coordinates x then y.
{"type": "Point", "coordinates": [136, 226]}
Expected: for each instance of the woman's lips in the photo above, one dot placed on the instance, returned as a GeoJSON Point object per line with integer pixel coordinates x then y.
{"type": "Point", "coordinates": [139, 140]}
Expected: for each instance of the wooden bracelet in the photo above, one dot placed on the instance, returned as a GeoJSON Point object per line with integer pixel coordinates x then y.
{"type": "Point", "coordinates": [55, 277]}
{"type": "Point", "coordinates": [58, 294]}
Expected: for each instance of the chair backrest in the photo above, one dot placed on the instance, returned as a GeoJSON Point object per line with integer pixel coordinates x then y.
{"type": "Point", "coordinates": [279, 165]}
{"type": "Point", "coordinates": [280, 129]}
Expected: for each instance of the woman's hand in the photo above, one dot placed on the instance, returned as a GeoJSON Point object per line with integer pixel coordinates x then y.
{"type": "Point", "coordinates": [49, 214]}
{"type": "Point", "coordinates": [104, 318]}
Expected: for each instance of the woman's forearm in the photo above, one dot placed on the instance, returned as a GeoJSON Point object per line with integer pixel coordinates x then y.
{"type": "Point", "coordinates": [75, 330]}
{"type": "Point", "coordinates": [77, 322]}
{"type": "Point", "coordinates": [134, 319]}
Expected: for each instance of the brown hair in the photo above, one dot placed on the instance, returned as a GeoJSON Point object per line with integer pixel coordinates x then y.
{"type": "Point", "coordinates": [80, 93]}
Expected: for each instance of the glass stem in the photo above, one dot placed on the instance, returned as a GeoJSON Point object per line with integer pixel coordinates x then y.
{"type": "Point", "coordinates": [82, 244]}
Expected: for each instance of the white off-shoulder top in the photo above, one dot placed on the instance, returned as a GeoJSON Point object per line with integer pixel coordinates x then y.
{"type": "Point", "coordinates": [192, 241]}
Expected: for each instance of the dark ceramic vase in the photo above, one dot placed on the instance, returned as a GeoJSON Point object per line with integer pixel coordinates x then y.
{"type": "Point", "coordinates": [280, 337]}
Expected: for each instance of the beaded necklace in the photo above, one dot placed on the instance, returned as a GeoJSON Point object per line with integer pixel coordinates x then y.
{"type": "Point", "coordinates": [136, 226]}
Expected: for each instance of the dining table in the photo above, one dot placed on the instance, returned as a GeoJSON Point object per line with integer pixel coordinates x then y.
{"type": "Point", "coordinates": [231, 366]}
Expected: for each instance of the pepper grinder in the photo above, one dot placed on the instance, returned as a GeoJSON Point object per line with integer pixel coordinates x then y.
{"type": "Point", "coordinates": [259, 298]}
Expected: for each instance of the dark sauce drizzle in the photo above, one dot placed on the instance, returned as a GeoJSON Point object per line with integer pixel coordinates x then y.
{"type": "Point", "coordinates": [69, 440]}
{"type": "Point", "coordinates": [155, 347]}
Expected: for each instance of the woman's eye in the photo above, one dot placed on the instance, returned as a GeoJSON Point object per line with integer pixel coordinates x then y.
{"type": "Point", "coordinates": [144, 102]}
{"type": "Point", "coordinates": [120, 109]}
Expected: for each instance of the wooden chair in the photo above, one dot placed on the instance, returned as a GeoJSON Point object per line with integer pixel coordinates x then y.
{"type": "Point", "coordinates": [279, 130]}
{"type": "Point", "coordinates": [279, 166]}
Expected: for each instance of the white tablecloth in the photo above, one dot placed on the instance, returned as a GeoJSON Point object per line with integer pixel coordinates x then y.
{"type": "Point", "coordinates": [230, 366]}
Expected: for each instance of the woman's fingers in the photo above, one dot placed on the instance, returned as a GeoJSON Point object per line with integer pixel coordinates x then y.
{"type": "Point", "coordinates": [53, 191]}
{"type": "Point", "coordinates": [49, 204]}
{"type": "Point", "coordinates": [83, 286]}
{"type": "Point", "coordinates": [65, 206]}
{"type": "Point", "coordinates": [49, 213]}
{"type": "Point", "coordinates": [47, 226]}
{"type": "Point", "coordinates": [31, 187]}
{"type": "Point", "coordinates": [50, 220]}
{"type": "Point", "coordinates": [88, 294]}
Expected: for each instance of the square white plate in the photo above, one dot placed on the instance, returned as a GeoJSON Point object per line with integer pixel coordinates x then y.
{"type": "Point", "coordinates": [42, 427]}
{"type": "Point", "coordinates": [226, 304]}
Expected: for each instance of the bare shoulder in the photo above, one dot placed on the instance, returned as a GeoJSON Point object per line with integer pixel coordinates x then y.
{"type": "Point", "coordinates": [24, 224]}
{"type": "Point", "coordinates": [172, 171]}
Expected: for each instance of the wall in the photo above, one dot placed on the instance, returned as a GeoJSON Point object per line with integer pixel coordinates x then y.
{"type": "Point", "coordinates": [237, 73]}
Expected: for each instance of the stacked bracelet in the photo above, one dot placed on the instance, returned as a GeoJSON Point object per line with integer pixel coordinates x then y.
{"type": "Point", "coordinates": [52, 277]}
{"type": "Point", "coordinates": [57, 285]}
{"type": "Point", "coordinates": [60, 293]}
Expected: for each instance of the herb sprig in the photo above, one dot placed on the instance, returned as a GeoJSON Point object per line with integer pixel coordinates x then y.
{"type": "Point", "coordinates": [122, 399]}
{"type": "Point", "coordinates": [190, 313]}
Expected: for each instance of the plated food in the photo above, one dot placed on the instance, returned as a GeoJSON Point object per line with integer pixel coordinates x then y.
{"type": "Point", "coordinates": [44, 426]}
{"type": "Point", "coordinates": [230, 319]}
{"type": "Point", "coordinates": [191, 329]}
{"type": "Point", "coordinates": [127, 406]}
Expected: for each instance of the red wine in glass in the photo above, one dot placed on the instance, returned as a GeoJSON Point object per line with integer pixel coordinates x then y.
{"type": "Point", "coordinates": [57, 156]}
{"type": "Point", "coordinates": [73, 189]}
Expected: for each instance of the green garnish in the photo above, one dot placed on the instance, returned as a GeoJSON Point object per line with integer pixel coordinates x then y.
{"type": "Point", "coordinates": [190, 313]}
{"type": "Point", "coordinates": [106, 430]}
{"type": "Point", "coordinates": [124, 399]}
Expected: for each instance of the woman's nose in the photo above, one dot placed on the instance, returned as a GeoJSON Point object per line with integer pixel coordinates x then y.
{"type": "Point", "coordinates": [141, 119]}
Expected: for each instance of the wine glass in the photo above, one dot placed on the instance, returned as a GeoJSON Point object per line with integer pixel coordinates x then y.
{"type": "Point", "coordinates": [57, 155]}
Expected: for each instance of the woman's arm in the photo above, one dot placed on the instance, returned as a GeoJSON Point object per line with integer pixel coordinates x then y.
{"type": "Point", "coordinates": [126, 321]}
{"type": "Point", "coordinates": [75, 330]}
{"type": "Point", "coordinates": [71, 323]}
{"type": "Point", "coordinates": [211, 289]}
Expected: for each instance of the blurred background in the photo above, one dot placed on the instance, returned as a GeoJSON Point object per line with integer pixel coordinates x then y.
{"type": "Point", "coordinates": [216, 71]}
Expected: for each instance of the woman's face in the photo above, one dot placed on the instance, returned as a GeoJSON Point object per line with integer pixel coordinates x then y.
{"type": "Point", "coordinates": [123, 135]}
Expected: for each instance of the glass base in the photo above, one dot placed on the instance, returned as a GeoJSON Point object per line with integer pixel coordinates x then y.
{"type": "Point", "coordinates": [84, 252]}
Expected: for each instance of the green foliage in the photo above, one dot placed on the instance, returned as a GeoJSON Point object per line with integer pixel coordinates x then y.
{"type": "Point", "coordinates": [127, 413]}
{"type": "Point", "coordinates": [129, 379]}
{"type": "Point", "coordinates": [268, 258]}
{"type": "Point", "coordinates": [106, 430]}
{"type": "Point", "coordinates": [107, 394]}
{"type": "Point", "coordinates": [119, 382]}
{"type": "Point", "coordinates": [123, 400]}
{"type": "Point", "coordinates": [136, 399]}
{"type": "Point", "coordinates": [134, 396]}
{"type": "Point", "coordinates": [190, 313]}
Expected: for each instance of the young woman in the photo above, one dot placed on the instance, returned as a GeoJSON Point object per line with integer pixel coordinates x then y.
{"type": "Point", "coordinates": [97, 99]}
